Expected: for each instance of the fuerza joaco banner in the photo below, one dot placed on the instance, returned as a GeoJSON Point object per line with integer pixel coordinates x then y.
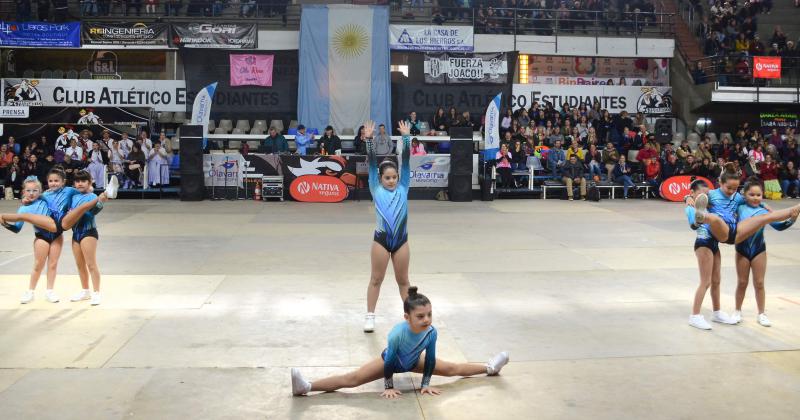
{"type": "Point", "coordinates": [650, 100]}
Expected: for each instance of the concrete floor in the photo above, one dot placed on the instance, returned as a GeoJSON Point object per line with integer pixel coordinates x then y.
{"type": "Point", "coordinates": [207, 305]}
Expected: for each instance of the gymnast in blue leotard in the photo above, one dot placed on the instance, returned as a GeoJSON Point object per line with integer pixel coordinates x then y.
{"type": "Point", "coordinates": [36, 212]}
{"type": "Point", "coordinates": [407, 341]}
{"type": "Point", "coordinates": [388, 185]}
{"type": "Point", "coordinates": [751, 255]}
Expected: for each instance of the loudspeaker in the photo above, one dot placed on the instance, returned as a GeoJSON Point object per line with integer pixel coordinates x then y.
{"type": "Point", "coordinates": [663, 130]}
{"type": "Point", "coordinates": [461, 157]}
{"type": "Point", "coordinates": [192, 182]}
{"type": "Point", "coordinates": [460, 133]}
{"type": "Point", "coordinates": [459, 187]}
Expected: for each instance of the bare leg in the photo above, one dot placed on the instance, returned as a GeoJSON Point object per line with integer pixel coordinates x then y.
{"type": "Point", "coordinates": [52, 260]}
{"type": "Point", "coordinates": [716, 279]}
{"type": "Point", "coordinates": [380, 260]}
{"type": "Point", "coordinates": [80, 262]}
{"type": "Point", "coordinates": [89, 248]}
{"type": "Point", "coordinates": [759, 267]}
{"type": "Point", "coordinates": [743, 277]}
{"type": "Point", "coordinates": [40, 250]}
{"type": "Point", "coordinates": [748, 227]}
{"type": "Point", "coordinates": [42, 222]}
{"type": "Point", "coordinates": [72, 217]}
{"type": "Point", "coordinates": [371, 371]}
{"type": "Point", "coordinates": [400, 261]}
{"type": "Point", "coordinates": [445, 368]}
{"type": "Point", "coordinates": [705, 263]}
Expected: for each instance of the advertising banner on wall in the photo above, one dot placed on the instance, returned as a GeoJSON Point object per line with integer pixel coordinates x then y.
{"type": "Point", "coordinates": [767, 67]}
{"type": "Point", "coordinates": [429, 171]}
{"type": "Point", "coordinates": [162, 95]}
{"type": "Point", "coordinates": [251, 69]}
{"type": "Point", "coordinates": [466, 68]}
{"type": "Point", "coordinates": [649, 100]}
{"type": "Point", "coordinates": [431, 38]}
{"type": "Point", "coordinates": [215, 35]}
{"type": "Point", "coordinates": [426, 99]}
{"type": "Point", "coordinates": [779, 120]}
{"type": "Point", "coordinates": [598, 70]}
{"type": "Point", "coordinates": [40, 34]}
{"type": "Point", "coordinates": [223, 169]}
{"type": "Point", "coordinates": [142, 35]}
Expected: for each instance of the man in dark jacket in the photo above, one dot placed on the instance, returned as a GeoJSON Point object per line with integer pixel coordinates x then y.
{"type": "Point", "coordinates": [275, 142]}
{"type": "Point", "coordinates": [573, 173]}
{"type": "Point", "coordinates": [329, 143]}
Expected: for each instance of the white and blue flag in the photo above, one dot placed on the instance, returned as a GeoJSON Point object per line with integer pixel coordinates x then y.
{"type": "Point", "coordinates": [201, 110]}
{"type": "Point", "coordinates": [491, 126]}
{"type": "Point", "coordinates": [344, 66]}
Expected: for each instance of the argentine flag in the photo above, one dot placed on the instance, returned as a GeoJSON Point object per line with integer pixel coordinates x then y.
{"type": "Point", "coordinates": [344, 66]}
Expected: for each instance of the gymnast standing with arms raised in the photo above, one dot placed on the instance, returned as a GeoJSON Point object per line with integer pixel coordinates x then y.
{"type": "Point", "coordinates": [388, 185]}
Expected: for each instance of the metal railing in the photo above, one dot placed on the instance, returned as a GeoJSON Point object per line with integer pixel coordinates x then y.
{"type": "Point", "coordinates": [485, 20]}
{"type": "Point", "coordinates": [737, 70]}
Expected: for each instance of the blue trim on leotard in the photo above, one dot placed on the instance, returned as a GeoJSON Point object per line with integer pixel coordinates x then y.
{"type": "Point", "coordinates": [391, 207]}
{"type": "Point", "coordinates": [85, 226]}
{"type": "Point", "coordinates": [726, 208]}
{"type": "Point", "coordinates": [755, 245]}
{"type": "Point", "coordinates": [403, 352]}
{"type": "Point", "coordinates": [59, 201]}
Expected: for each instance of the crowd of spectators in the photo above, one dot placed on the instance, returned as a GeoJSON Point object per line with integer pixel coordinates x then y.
{"type": "Point", "coordinates": [584, 144]}
{"type": "Point", "coordinates": [64, 10]}
{"type": "Point", "coordinates": [73, 151]}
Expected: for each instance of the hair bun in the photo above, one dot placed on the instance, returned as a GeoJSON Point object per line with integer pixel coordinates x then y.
{"type": "Point", "coordinates": [730, 167]}
{"type": "Point", "coordinates": [412, 290]}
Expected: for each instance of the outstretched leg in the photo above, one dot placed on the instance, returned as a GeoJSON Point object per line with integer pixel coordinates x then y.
{"type": "Point", "coordinates": [746, 228]}
{"type": "Point", "coordinates": [42, 222]}
{"type": "Point", "coordinates": [445, 368]}
{"type": "Point", "coordinates": [72, 217]}
{"type": "Point", "coordinates": [371, 371]}
{"type": "Point", "coordinates": [400, 261]}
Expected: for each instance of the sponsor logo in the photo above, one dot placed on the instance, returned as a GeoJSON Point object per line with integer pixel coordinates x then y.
{"type": "Point", "coordinates": [677, 187]}
{"type": "Point", "coordinates": [138, 30]}
{"type": "Point", "coordinates": [23, 93]}
{"type": "Point", "coordinates": [8, 28]}
{"type": "Point", "coordinates": [207, 28]}
{"type": "Point", "coordinates": [14, 112]}
{"type": "Point", "coordinates": [653, 101]}
{"type": "Point", "coordinates": [318, 189]}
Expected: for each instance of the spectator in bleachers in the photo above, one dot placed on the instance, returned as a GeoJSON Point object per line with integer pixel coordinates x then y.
{"type": "Point", "coordinates": [690, 166]}
{"type": "Point", "coordinates": [383, 142]}
{"type": "Point", "coordinates": [769, 175]}
{"type": "Point", "coordinates": [414, 122]}
{"type": "Point", "coordinates": [751, 168]}
{"type": "Point", "coordinates": [573, 173]}
{"type": "Point", "coordinates": [652, 174]}
{"type": "Point", "coordinates": [789, 151]}
{"type": "Point", "coordinates": [150, 7]}
{"type": "Point", "coordinates": [555, 136]}
{"type": "Point", "coordinates": [518, 157]}
{"type": "Point", "coordinates": [790, 183]}
{"type": "Point", "coordinates": [329, 143]}
{"type": "Point", "coordinates": [14, 176]}
{"type": "Point", "coordinates": [592, 161]}
{"type": "Point", "coordinates": [703, 151]}
{"type": "Point", "coordinates": [503, 165]}
{"type": "Point", "coordinates": [775, 141]}
{"type": "Point", "coordinates": [360, 141]}
{"type": "Point", "coordinates": [6, 157]}
{"type": "Point", "coordinates": [452, 118]}
{"type": "Point", "coordinates": [418, 149]}
{"type": "Point", "coordinates": [302, 140]}
{"type": "Point", "coordinates": [738, 154]}
{"type": "Point", "coordinates": [622, 175]}
{"type": "Point", "coordinates": [556, 158]}
{"type": "Point", "coordinates": [275, 142]}
{"type": "Point", "coordinates": [439, 121]}
{"type": "Point", "coordinates": [97, 162]}
{"type": "Point", "coordinates": [157, 166]}
{"type": "Point", "coordinates": [667, 151]}
{"type": "Point", "coordinates": [757, 153]}
{"type": "Point", "coordinates": [575, 150]}
{"type": "Point", "coordinates": [74, 151]}
{"type": "Point", "coordinates": [670, 166]}
{"type": "Point", "coordinates": [505, 123]}
{"type": "Point", "coordinates": [684, 151]}
{"type": "Point", "coordinates": [13, 146]}
{"type": "Point", "coordinates": [172, 7]}
{"type": "Point", "coordinates": [133, 4]}
{"type": "Point", "coordinates": [647, 152]}
{"type": "Point", "coordinates": [610, 159]}
{"type": "Point", "coordinates": [134, 166]}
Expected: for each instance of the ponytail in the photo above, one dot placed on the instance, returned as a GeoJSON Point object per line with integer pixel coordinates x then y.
{"type": "Point", "coordinates": [729, 173]}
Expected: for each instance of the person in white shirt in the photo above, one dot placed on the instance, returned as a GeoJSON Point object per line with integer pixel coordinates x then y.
{"type": "Point", "coordinates": [74, 151]}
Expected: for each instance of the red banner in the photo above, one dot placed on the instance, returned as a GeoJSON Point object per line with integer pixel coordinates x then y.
{"type": "Point", "coordinates": [677, 187]}
{"type": "Point", "coordinates": [767, 67]}
{"type": "Point", "coordinates": [318, 189]}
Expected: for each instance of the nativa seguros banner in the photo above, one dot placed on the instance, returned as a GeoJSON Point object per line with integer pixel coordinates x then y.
{"type": "Point", "coordinates": [651, 100]}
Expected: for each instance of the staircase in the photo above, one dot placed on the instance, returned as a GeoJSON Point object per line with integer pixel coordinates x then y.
{"type": "Point", "coordinates": [687, 43]}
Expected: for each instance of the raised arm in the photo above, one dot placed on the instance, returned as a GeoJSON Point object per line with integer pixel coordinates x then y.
{"type": "Point", "coordinates": [405, 154]}
{"type": "Point", "coordinates": [372, 158]}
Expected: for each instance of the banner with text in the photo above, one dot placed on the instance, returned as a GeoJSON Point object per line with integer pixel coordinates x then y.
{"type": "Point", "coordinates": [598, 70]}
{"type": "Point", "coordinates": [767, 67]}
{"type": "Point", "coordinates": [142, 35]}
{"type": "Point", "coordinates": [162, 95]}
{"type": "Point", "coordinates": [429, 171]}
{"type": "Point", "coordinates": [649, 100]}
{"type": "Point", "coordinates": [779, 120]}
{"type": "Point", "coordinates": [40, 34]}
{"type": "Point", "coordinates": [466, 68]}
{"type": "Point", "coordinates": [215, 35]}
{"type": "Point", "coordinates": [431, 38]}
{"type": "Point", "coordinates": [223, 170]}
{"type": "Point", "coordinates": [251, 69]}
{"type": "Point", "coordinates": [426, 99]}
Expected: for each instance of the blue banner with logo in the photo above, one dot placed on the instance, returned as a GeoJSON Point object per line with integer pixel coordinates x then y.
{"type": "Point", "coordinates": [40, 34]}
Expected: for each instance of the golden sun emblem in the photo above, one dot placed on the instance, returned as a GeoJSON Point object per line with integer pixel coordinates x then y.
{"type": "Point", "coordinates": [350, 41]}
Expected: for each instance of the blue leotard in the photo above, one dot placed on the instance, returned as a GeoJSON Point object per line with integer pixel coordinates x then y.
{"type": "Point", "coordinates": [403, 351]}
{"type": "Point", "coordinates": [86, 225]}
{"type": "Point", "coordinates": [726, 207]}
{"type": "Point", "coordinates": [755, 245]}
{"type": "Point", "coordinates": [37, 207]}
{"type": "Point", "coordinates": [704, 237]}
{"type": "Point", "coordinates": [391, 207]}
{"type": "Point", "coordinates": [59, 201]}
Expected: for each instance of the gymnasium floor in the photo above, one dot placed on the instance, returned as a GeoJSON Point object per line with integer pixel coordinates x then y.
{"type": "Point", "coordinates": [207, 306]}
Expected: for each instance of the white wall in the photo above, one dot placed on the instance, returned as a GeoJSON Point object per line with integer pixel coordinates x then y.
{"type": "Point", "coordinates": [526, 44]}
{"type": "Point", "coordinates": [749, 95]}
